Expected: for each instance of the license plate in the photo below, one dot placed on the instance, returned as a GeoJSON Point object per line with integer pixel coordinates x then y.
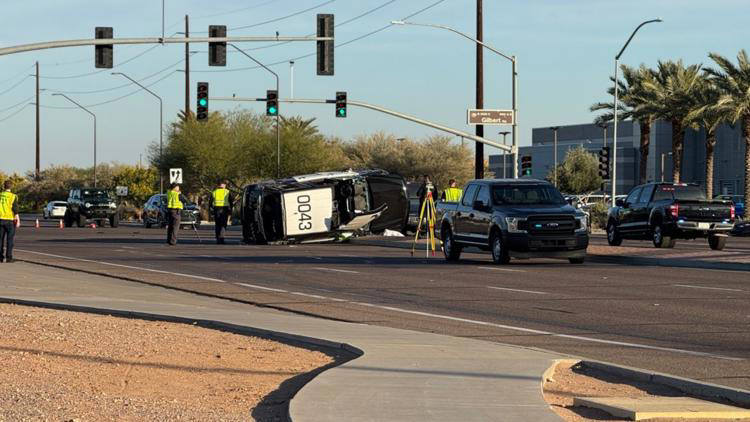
{"type": "Point", "coordinates": [704, 226]}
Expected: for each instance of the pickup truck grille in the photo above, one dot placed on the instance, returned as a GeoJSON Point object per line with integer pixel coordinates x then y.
{"type": "Point", "coordinates": [551, 225]}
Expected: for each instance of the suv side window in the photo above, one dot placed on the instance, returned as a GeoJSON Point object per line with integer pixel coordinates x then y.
{"type": "Point", "coordinates": [646, 194]}
{"type": "Point", "coordinates": [633, 197]}
{"type": "Point", "coordinates": [484, 195]}
{"type": "Point", "coordinates": [469, 195]}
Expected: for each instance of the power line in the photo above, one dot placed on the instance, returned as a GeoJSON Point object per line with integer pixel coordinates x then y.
{"type": "Point", "coordinates": [17, 104]}
{"type": "Point", "coordinates": [17, 84]}
{"type": "Point", "coordinates": [14, 113]}
{"type": "Point", "coordinates": [229, 12]}
{"type": "Point", "coordinates": [82, 75]}
{"type": "Point", "coordinates": [277, 19]}
{"type": "Point", "coordinates": [23, 72]}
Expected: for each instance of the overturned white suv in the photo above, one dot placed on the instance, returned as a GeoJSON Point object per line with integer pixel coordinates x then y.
{"type": "Point", "coordinates": [323, 206]}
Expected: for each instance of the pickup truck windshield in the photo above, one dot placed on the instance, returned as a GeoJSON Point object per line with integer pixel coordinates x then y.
{"type": "Point", "coordinates": [526, 195]}
{"type": "Point", "coordinates": [683, 193]}
{"type": "Point", "coordinates": [95, 194]}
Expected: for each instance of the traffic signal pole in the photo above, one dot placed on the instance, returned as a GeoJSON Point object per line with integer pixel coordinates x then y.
{"type": "Point", "coordinates": [384, 110]}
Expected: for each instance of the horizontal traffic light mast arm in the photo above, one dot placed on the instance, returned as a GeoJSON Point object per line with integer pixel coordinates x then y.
{"type": "Point", "coordinates": [382, 110]}
{"type": "Point", "coordinates": [173, 40]}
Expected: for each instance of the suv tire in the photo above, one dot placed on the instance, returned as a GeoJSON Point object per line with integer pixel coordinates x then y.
{"type": "Point", "coordinates": [81, 220]}
{"type": "Point", "coordinates": [659, 239]}
{"type": "Point", "coordinates": [576, 261]}
{"type": "Point", "coordinates": [613, 235]}
{"type": "Point", "coordinates": [114, 221]}
{"type": "Point", "coordinates": [451, 250]}
{"type": "Point", "coordinates": [68, 219]}
{"type": "Point", "coordinates": [717, 243]}
{"type": "Point", "coordinates": [499, 253]}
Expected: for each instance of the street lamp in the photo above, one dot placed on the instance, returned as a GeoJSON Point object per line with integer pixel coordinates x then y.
{"type": "Point", "coordinates": [278, 134]}
{"type": "Point", "coordinates": [504, 133]}
{"type": "Point", "coordinates": [614, 134]}
{"type": "Point", "coordinates": [513, 60]}
{"type": "Point", "coordinates": [161, 125]}
{"type": "Point", "coordinates": [554, 129]}
{"type": "Point", "coordinates": [92, 115]}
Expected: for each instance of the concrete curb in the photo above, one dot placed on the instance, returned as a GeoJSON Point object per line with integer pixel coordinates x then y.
{"type": "Point", "coordinates": [686, 385]}
{"type": "Point", "coordinates": [204, 323]}
{"type": "Point", "coordinates": [624, 260]}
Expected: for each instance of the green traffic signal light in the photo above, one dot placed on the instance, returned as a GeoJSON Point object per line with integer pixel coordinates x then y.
{"type": "Point", "coordinates": [272, 110]}
{"type": "Point", "coordinates": [342, 112]}
{"type": "Point", "coordinates": [203, 102]}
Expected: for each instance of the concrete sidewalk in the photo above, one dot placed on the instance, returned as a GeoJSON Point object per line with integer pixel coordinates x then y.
{"type": "Point", "coordinates": [400, 376]}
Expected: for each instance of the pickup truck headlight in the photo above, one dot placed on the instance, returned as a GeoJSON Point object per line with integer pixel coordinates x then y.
{"type": "Point", "coordinates": [112, 205]}
{"type": "Point", "coordinates": [87, 204]}
{"type": "Point", "coordinates": [581, 223]}
{"type": "Point", "coordinates": [512, 223]}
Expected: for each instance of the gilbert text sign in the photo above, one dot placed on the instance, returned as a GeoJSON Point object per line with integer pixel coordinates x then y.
{"type": "Point", "coordinates": [489, 117]}
{"type": "Point", "coordinates": [175, 176]}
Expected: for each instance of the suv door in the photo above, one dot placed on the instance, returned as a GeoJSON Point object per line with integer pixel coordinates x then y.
{"type": "Point", "coordinates": [627, 217]}
{"type": "Point", "coordinates": [461, 222]}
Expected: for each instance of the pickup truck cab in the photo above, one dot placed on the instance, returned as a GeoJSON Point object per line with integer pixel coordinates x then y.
{"type": "Point", "coordinates": [91, 204]}
{"type": "Point", "coordinates": [521, 218]}
{"type": "Point", "coordinates": [664, 212]}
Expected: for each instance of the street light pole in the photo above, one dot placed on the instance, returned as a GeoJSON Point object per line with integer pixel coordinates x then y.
{"type": "Point", "coordinates": [663, 154]}
{"type": "Point", "coordinates": [161, 126]}
{"type": "Point", "coordinates": [92, 115]}
{"type": "Point", "coordinates": [278, 133]}
{"type": "Point", "coordinates": [614, 133]}
{"type": "Point", "coordinates": [554, 129]}
{"type": "Point", "coordinates": [505, 165]}
{"type": "Point", "coordinates": [512, 59]}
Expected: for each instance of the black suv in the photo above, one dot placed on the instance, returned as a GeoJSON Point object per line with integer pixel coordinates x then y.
{"type": "Point", "coordinates": [91, 204]}
{"type": "Point", "coordinates": [664, 212]}
{"type": "Point", "coordinates": [155, 212]}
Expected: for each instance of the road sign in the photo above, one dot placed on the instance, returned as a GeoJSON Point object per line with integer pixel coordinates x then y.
{"type": "Point", "coordinates": [121, 190]}
{"type": "Point", "coordinates": [175, 176]}
{"type": "Point", "coordinates": [489, 117]}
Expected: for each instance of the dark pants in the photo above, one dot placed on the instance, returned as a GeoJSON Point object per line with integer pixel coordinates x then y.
{"type": "Point", "coordinates": [7, 233]}
{"type": "Point", "coordinates": [173, 225]}
{"type": "Point", "coordinates": [221, 215]}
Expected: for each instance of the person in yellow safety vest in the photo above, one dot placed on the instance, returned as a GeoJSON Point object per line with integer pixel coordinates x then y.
{"type": "Point", "coordinates": [9, 219]}
{"type": "Point", "coordinates": [453, 193]}
{"type": "Point", "coordinates": [221, 206]}
{"type": "Point", "coordinates": [174, 210]}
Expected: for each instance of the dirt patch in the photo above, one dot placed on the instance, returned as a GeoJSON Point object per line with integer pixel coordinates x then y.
{"type": "Point", "coordinates": [60, 365]}
{"type": "Point", "coordinates": [570, 380]}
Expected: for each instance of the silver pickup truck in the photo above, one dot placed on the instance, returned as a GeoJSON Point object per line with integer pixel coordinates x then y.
{"type": "Point", "coordinates": [521, 218]}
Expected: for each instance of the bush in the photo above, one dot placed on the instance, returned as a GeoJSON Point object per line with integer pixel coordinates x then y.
{"type": "Point", "coordinates": [598, 213]}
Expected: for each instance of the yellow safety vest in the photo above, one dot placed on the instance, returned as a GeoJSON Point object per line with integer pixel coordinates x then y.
{"type": "Point", "coordinates": [220, 197]}
{"type": "Point", "coordinates": [6, 206]}
{"type": "Point", "coordinates": [453, 194]}
{"type": "Point", "coordinates": [173, 200]}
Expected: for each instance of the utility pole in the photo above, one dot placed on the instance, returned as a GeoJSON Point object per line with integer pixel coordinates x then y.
{"type": "Point", "coordinates": [479, 148]}
{"type": "Point", "coordinates": [554, 145]}
{"type": "Point", "coordinates": [187, 69]}
{"type": "Point", "coordinates": [37, 174]}
{"type": "Point", "coordinates": [291, 81]}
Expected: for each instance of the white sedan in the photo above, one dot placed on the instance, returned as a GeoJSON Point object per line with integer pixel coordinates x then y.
{"type": "Point", "coordinates": [55, 209]}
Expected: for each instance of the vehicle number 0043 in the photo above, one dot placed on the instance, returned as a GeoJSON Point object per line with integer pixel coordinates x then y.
{"type": "Point", "coordinates": [303, 209]}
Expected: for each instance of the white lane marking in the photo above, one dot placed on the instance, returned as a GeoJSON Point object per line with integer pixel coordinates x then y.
{"type": "Point", "coordinates": [430, 315]}
{"type": "Point", "coordinates": [309, 295]}
{"type": "Point", "coordinates": [707, 288]}
{"type": "Point", "coordinates": [502, 269]}
{"type": "Point", "coordinates": [127, 247]}
{"type": "Point", "coordinates": [518, 290]}
{"type": "Point", "coordinates": [255, 286]}
{"type": "Point", "coordinates": [335, 270]}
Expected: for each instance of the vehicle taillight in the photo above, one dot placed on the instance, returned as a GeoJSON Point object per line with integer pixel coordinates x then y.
{"type": "Point", "coordinates": [731, 212]}
{"type": "Point", "coordinates": [674, 210]}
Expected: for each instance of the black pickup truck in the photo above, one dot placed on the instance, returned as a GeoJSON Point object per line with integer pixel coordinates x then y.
{"type": "Point", "coordinates": [520, 218]}
{"type": "Point", "coordinates": [664, 212]}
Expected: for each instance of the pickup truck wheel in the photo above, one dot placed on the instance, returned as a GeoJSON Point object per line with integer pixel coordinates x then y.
{"type": "Point", "coordinates": [451, 250]}
{"type": "Point", "coordinates": [613, 235]}
{"type": "Point", "coordinates": [660, 240]}
{"type": "Point", "coordinates": [499, 254]}
{"type": "Point", "coordinates": [576, 260]}
{"type": "Point", "coordinates": [114, 221]}
{"type": "Point", "coordinates": [717, 243]}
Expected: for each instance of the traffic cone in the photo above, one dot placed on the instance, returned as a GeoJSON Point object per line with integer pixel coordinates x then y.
{"type": "Point", "coordinates": [93, 225]}
{"type": "Point", "coordinates": [61, 224]}
{"type": "Point", "coordinates": [36, 225]}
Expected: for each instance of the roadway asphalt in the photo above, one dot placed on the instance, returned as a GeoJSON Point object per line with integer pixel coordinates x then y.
{"type": "Point", "coordinates": [688, 322]}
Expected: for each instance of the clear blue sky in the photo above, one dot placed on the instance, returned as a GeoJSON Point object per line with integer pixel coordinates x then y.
{"type": "Point", "coordinates": [565, 51]}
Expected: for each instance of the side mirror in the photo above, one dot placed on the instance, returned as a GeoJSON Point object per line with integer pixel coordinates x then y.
{"type": "Point", "coordinates": [620, 203]}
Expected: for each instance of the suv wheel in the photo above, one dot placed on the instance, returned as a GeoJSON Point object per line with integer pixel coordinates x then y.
{"type": "Point", "coordinates": [114, 221]}
{"type": "Point", "coordinates": [451, 250]}
{"type": "Point", "coordinates": [613, 235]}
{"type": "Point", "coordinates": [499, 253]}
{"type": "Point", "coordinates": [81, 220]}
{"type": "Point", "coordinates": [576, 260]}
{"type": "Point", "coordinates": [659, 239]}
{"type": "Point", "coordinates": [68, 219]}
{"type": "Point", "coordinates": [717, 243]}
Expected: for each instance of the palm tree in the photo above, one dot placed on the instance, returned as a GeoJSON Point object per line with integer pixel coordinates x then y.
{"type": "Point", "coordinates": [298, 126]}
{"type": "Point", "coordinates": [669, 95]}
{"type": "Point", "coordinates": [629, 107]}
{"type": "Point", "coordinates": [734, 83]}
{"type": "Point", "coordinates": [708, 116]}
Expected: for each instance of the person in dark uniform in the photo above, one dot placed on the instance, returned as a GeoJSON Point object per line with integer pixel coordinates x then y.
{"type": "Point", "coordinates": [221, 206]}
{"type": "Point", "coordinates": [174, 209]}
{"type": "Point", "coordinates": [9, 219]}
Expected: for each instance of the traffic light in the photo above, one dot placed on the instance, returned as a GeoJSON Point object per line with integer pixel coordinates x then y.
{"type": "Point", "coordinates": [272, 102]}
{"type": "Point", "coordinates": [604, 163]}
{"type": "Point", "coordinates": [526, 165]}
{"type": "Point", "coordinates": [340, 104]}
{"type": "Point", "coordinates": [103, 54]}
{"type": "Point", "coordinates": [217, 51]}
{"type": "Point", "coordinates": [202, 109]}
{"type": "Point", "coordinates": [325, 48]}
